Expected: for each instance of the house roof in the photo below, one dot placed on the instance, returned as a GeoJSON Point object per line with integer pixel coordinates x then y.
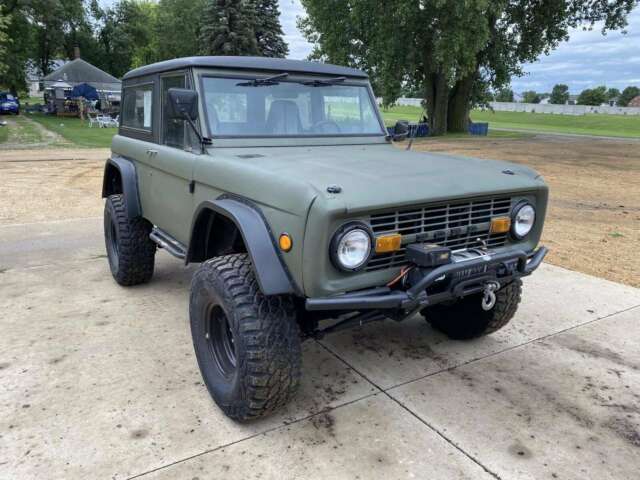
{"type": "Point", "coordinates": [247, 63]}
{"type": "Point", "coordinates": [635, 102]}
{"type": "Point", "coordinates": [78, 71]}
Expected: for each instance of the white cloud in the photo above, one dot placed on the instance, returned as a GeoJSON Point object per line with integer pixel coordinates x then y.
{"type": "Point", "coordinates": [587, 60]}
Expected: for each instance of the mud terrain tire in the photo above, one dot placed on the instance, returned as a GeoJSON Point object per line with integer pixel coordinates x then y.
{"type": "Point", "coordinates": [247, 345]}
{"type": "Point", "coordinates": [130, 251]}
{"type": "Point", "coordinates": [466, 319]}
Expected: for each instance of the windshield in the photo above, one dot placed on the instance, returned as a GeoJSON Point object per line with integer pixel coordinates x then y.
{"type": "Point", "coordinates": [238, 107]}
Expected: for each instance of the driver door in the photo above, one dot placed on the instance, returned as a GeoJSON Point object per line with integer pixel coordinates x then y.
{"type": "Point", "coordinates": [171, 188]}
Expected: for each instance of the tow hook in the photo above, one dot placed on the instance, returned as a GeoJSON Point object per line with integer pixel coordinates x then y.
{"type": "Point", "coordinates": [489, 296]}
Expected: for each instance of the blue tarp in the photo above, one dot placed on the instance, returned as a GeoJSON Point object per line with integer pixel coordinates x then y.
{"type": "Point", "coordinates": [84, 90]}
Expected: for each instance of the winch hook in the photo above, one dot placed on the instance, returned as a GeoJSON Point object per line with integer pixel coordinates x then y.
{"type": "Point", "coordinates": [489, 295]}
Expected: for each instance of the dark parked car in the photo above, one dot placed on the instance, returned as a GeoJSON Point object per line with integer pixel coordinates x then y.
{"type": "Point", "coordinates": [9, 103]}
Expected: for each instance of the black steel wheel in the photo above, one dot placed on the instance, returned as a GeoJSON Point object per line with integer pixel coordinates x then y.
{"type": "Point", "coordinates": [220, 339]}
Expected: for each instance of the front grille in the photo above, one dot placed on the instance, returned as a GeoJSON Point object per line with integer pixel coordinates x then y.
{"type": "Point", "coordinates": [456, 225]}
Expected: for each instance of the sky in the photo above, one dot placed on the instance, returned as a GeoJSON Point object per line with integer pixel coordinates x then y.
{"type": "Point", "coordinates": [587, 60]}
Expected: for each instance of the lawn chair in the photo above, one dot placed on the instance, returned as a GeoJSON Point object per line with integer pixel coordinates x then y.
{"type": "Point", "coordinates": [113, 122]}
{"type": "Point", "coordinates": [93, 120]}
{"type": "Point", "coordinates": [106, 121]}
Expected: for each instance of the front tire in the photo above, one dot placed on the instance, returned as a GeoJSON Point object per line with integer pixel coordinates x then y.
{"type": "Point", "coordinates": [466, 319]}
{"type": "Point", "coordinates": [130, 251]}
{"type": "Point", "coordinates": [247, 345]}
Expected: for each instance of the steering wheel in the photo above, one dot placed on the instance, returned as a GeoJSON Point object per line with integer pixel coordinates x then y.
{"type": "Point", "coordinates": [322, 124]}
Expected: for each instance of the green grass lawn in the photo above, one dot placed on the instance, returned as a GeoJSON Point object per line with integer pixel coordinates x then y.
{"type": "Point", "coordinates": [393, 114]}
{"type": "Point", "coordinates": [76, 131]}
{"type": "Point", "coordinates": [31, 100]}
{"type": "Point", "coordinates": [593, 124]}
{"type": "Point", "coordinates": [20, 131]}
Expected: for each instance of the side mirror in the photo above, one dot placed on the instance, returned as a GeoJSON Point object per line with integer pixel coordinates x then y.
{"type": "Point", "coordinates": [401, 130]}
{"type": "Point", "coordinates": [182, 103]}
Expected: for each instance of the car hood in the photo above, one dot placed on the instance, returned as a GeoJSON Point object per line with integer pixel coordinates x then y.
{"type": "Point", "coordinates": [371, 176]}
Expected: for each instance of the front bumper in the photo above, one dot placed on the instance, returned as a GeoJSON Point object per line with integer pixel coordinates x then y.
{"type": "Point", "coordinates": [459, 280]}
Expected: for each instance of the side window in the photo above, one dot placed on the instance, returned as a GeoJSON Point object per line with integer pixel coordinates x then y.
{"type": "Point", "coordinates": [137, 107]}
{"type": "Point", "coordinates": [174, 131]}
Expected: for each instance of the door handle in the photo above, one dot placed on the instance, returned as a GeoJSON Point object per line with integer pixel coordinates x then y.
{"type": "Point", "coordinates": [151, 153]}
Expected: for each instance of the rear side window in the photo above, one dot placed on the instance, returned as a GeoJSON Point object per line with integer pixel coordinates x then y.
{"type": "Point", "coordinates": [137, 106]}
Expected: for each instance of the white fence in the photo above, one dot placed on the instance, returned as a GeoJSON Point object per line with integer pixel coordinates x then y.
{"type": "Point", "coordinates": [562, 109]}
{"type": "Point", "coordinates": [538, 108]}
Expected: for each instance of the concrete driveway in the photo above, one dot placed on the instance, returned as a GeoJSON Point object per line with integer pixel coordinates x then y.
{"type": "Point", "coordinates": [98, 381]}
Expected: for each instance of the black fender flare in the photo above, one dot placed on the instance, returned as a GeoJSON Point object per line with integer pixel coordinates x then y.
{"type": "Point", "coordinates": [129, 179]}
{"type": "Point", "coordinates": [271, 272]}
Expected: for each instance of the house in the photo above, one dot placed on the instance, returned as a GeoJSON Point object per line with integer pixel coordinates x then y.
{"type": "Point", "coordinates": [59, 83]}
{"type": "Point", "coordinates": [611, 102]}
{"type": "Point", "coordinates": [635, 102]}
{"type": "Point", "coordinates": [79, 71]}
{"type": "Point", "coordinates": [573, 100]}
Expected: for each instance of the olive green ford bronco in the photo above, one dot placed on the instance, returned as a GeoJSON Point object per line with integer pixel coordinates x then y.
{"type": "Point", "coordinates": [279, 178]}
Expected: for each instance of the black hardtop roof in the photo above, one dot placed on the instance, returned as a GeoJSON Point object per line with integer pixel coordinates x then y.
{"type": "Point", "coordinates": [248, 63]}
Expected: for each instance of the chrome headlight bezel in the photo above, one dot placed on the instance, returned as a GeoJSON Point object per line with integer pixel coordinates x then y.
{"type": "Point", "coordinates": [519, 235]}
{"type": "Point", "coordinates": [341, 234]}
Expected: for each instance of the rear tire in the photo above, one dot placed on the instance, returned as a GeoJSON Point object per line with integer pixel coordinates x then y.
{"type": "Point", "coordinates": [130, 251]}
{"type": "Point", "coordinates": [466, 319]}
{"type": "Point", "coordinates": [247, 345]}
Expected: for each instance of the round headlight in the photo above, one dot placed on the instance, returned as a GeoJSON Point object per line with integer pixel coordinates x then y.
{"type": "Point", "coordinates": [351, 248]}
{"type": "Point", "coordinates": [523, 220]}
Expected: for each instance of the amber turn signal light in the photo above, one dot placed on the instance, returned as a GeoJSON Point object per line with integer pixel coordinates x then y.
{"type": "Point", "coordinates": [285, 242]}
{"type": "Point", "coordinates": [500, 225]}
{"type": "Point", "coordinates": [388, 243]}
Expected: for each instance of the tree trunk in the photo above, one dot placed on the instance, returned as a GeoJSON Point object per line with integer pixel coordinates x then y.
{"type": "Point", "coordinates": [459, 105]}
{"type": "Point", "coordinates": [437, 99]}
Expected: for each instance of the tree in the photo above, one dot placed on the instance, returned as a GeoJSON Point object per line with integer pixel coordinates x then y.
{"type": "Point", "coordinates": [530, 96]}
{"type": "Point", "coordinates": [559, 94]}
{"type": "Point", "coordinates": [627, 95]}
{"type": "Point", "coordinates": [184, 16]}
{"type": "Point", "coordinates": [228, 28]}
{"type": "Point", "coordinates": [613, 94]}
{"type": "Point", "coordinates": [4, 42]}
{"type": "Point", "coordinates": [447, 48]}
{"type": "Point", "coordinates": [40, 31]}
{"type": "Point", "coordinates": [125, 34]}
{"type": "Point", "coordinates": [504, 95]}
{"type": "Point", "coordinates": [594, 96]}
{"type": "Point", "coordinates": [19, 47]}
{"type": "Point", "coordinates": [267, 29]}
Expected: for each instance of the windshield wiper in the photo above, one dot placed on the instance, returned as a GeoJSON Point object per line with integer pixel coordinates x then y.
{"type": "Point", "coordinates": [325, 82]}
{"type": "Point", "coordinates": [259, 82]}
